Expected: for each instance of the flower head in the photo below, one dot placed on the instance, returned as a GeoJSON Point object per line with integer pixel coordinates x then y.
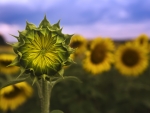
{"type": "Point", "coordinates": [42, 51]}
{"type": "Point", "coordinates": [78, 42]}
{"type": "Point", "coordinates": [100, 56]}
{"type": "Point", "coordinates": [142, 40]}
{"type": "Point", "coordinates": [5, 60]}
{"type": "Point", "coordinates": [131, 59]}
{"type": "Point", "coordinates": [14, 95]}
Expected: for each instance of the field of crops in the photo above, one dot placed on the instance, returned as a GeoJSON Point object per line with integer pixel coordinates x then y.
{"type": "Point", "coordinates": [115, 79]}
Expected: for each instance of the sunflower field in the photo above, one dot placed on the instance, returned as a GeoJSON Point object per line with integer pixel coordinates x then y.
{"type": "Point", "coordinates": [115, 78]}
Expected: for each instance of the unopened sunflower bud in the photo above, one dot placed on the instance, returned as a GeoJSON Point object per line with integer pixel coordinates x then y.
{"type": "Point", "coordinates": [42, 51]}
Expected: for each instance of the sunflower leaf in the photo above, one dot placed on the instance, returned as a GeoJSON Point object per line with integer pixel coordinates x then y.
{"type": "Point", "coordinates": [56, 111]}
{"type": "Point", "coordinates": [13, 82]}
{"type": "Point", "coordinates": [66, 78]}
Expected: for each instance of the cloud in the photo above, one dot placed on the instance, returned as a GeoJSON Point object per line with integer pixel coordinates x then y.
{"type": "Point", "coordinates": [6, 30]}
{"type": "Point", "coordinates": [75, 12]}
{"type": "Point", "coordinates": [115, 31]}
{"type": "Point", "coordinates": [113, 18]}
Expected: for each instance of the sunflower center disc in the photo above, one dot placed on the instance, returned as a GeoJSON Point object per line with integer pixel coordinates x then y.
{"type": "Point", "coordinates": [13, 93]}
{"type": "Point", "coordinates": [75, 44]}
{"type": "Point", "coordinates": [142, 41]}
{"type": "Point", "coordinates": [5, 63]}
{"type": "Point", "coordinates": [43, 51]}
{"type": "Point", "coordinates": [130, 58]}
{"type": "Point", "coordinates": [98, 54]}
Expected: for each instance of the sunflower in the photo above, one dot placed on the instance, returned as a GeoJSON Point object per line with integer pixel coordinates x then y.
{"type": "Point", "coordinates": [14, 95]}
{"type": "Point", "coordinates": [131, 59]}
{"type": "Point", "coordinates": [78, 42]}
{"type": "Point", "coordinates": [100, 56]}
{"type": "Point", "coordinates": [42, 51]}
{"type": "Point", "coordinates": [5, 60]}
{"type": "Point", "coordinates": [142, 40]}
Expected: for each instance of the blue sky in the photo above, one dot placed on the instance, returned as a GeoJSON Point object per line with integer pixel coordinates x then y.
{"type": "Point", "coordinates": [118, 19]}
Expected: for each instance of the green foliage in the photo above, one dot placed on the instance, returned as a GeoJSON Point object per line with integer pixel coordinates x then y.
{"type": "Point", "coordinates": [57, 111]}
{"type": "Point", "coordinates": [109, 92]}
{"type": "Point", "coordinates": [13, 82]}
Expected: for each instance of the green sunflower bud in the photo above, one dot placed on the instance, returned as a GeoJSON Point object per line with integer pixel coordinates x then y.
{"type": "Point", "coordinates": [42, 51]}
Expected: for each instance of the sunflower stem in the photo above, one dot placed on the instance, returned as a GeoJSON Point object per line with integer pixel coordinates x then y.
{"type": "Point", "coordinates": [45, 103]}
{"type": "Point", "coordinates": [39, 86]}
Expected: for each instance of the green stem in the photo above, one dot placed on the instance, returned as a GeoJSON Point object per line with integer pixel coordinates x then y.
{"type": "Point", "coordinates": [45, 103]}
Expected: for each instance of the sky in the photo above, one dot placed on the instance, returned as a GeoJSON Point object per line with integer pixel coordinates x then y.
{"type": "Point", "coordinates": [117, 19]}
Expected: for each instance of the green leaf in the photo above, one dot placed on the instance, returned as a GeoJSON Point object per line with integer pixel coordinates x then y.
{"type": "Point", "coordinates": [66, 78]}
{"type": "Point", "coordinates": [56, 111]}
{"type": "Point", "coordinates": [73, 78]}
{"type": "Point", "coordinates": [13, 82]}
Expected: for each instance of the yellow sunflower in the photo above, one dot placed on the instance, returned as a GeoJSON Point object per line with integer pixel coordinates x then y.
{"type": "Point", "coordinates": [14, 95]}
{"type": "Point", "coordinates": [5, 60]}
{"type": "Point", "coordinates": [142, 40]}
{"type": "Point", "coordinates": [78, 42]}
{"type": "Point", "coordinates": [131, 59]}
{"type": "Point", "coordinates": [100, 57]}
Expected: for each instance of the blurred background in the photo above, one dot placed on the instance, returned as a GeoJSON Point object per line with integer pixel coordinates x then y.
{"type": "Point", "coordinates": [113, 79]}
{"type": "Point", "coordinates": [118, 19]}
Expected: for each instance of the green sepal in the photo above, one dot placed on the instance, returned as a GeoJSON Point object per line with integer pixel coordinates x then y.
{"type": "Point", "coordinates": [13, 82]}
{"type": "Point", "coordinates": [34, 80]}
{"type": "Point", "coordinates": [43, 32]}
{"type": "Point", "coordinates": [56, 111]}
{"type": "Point", "coordinates": [61, 72]}
{"type": "Point", "coordinates": [45, 23]}
{"type": "Point", "coordinates": [18, 44]}
{"type": "Point", "coordinates": [68, 62]}
{"type": "Point", "coordinates": [55, 31]}
{"type": "Point", "coordinates": [30, 34]}
{"type": "Point", "coordinates": [31, 72]}
{"type": "Point", "coordinates": [44, 76]}
{"type": "Point", "coordinates": [15, 62]}
{"type": "Point", "coordinates": [22, 33]}
{"type": "Point", "coordinates": [68, 38]}
{"type": "Point", "coordinates": [15, 36]}
{"type": "Point", "coordinates": [22, 72]}
{"type": "Point", "coordinates": [70, 50]}
{"type": "Point", "coordinates": [27, 34]}
{"type": "Point", "coordinates": [56, 25]}
{"type": "Point", "coordinates": [30, 26]}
